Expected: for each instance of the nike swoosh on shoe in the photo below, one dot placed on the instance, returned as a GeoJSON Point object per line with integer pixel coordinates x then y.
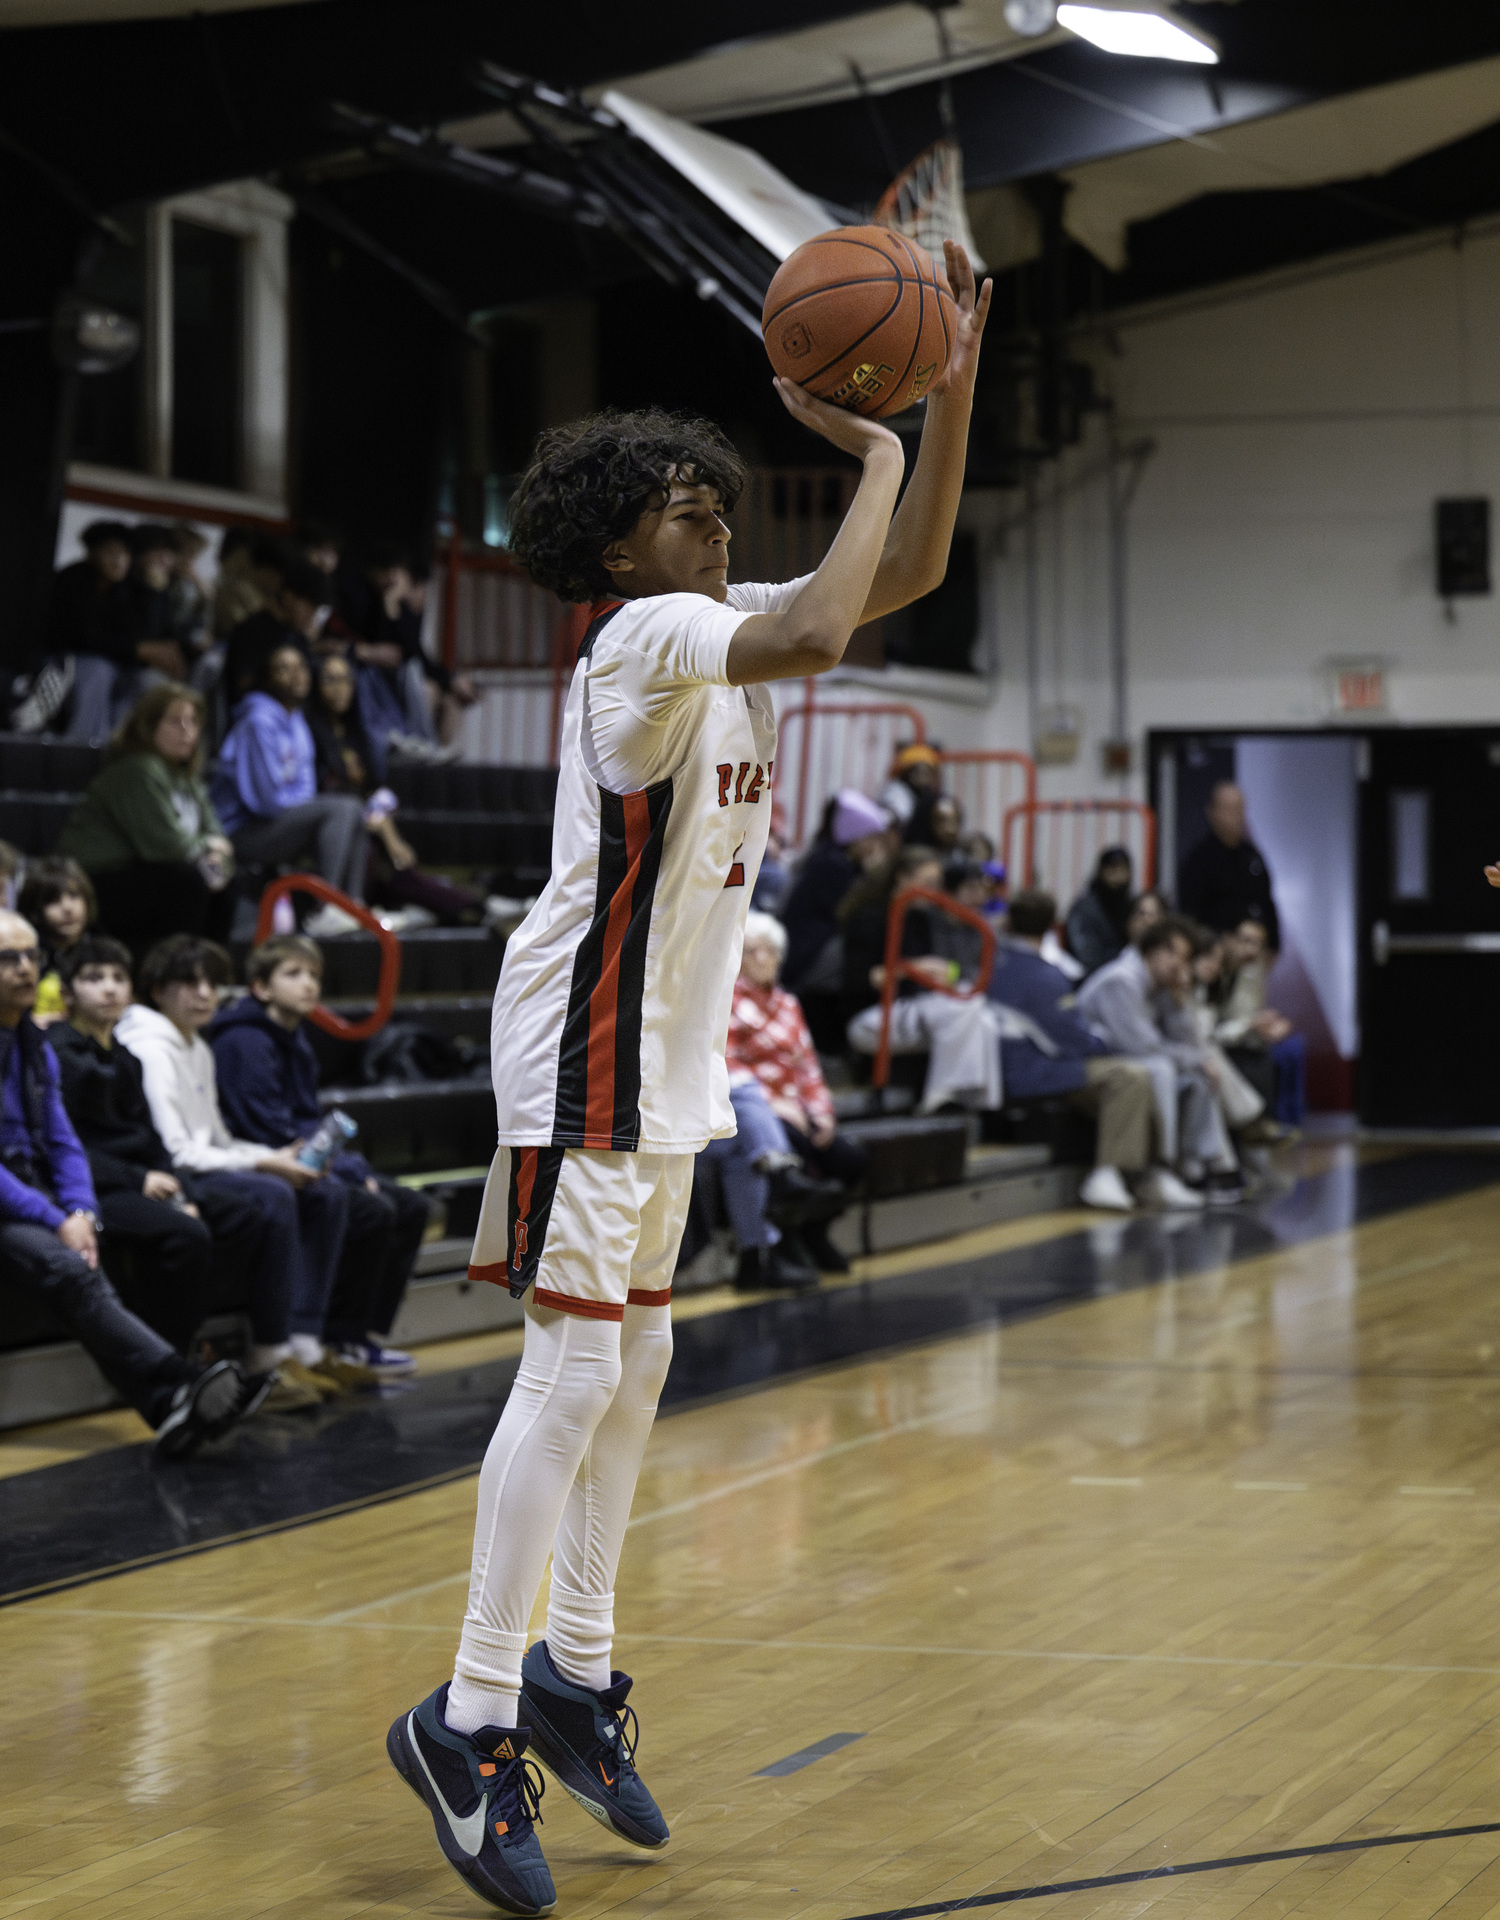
{"type": "Point", "coordinates": [469, 1831]}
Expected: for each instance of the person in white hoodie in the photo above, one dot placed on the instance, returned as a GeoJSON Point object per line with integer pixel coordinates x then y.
{"type": "Point", "coordinates": [306, 1215]}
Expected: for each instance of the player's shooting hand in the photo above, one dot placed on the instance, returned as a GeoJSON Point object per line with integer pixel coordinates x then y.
{"type": "Point", "coordinates": [850, 432]}
{"type": "Point", "coordinates": [1492, 874]}
{"type": "Point", "coordinates": [973, 310]}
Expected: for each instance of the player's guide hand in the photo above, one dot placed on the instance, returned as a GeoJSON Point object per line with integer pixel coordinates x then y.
{"type": "Point", "coordinates": [1492, 874]}
{"type": "Point", "coordinates": [957, 378]}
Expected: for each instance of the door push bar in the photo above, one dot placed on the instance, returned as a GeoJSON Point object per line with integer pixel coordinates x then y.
{"type": "Point", "coordinates": [1383, 943]}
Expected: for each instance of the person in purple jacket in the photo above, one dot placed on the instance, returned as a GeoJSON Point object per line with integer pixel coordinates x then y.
{"type": "Point", "coordinates": [49, 1226]}
{"type": "Point", "coordinates": [266, 789]}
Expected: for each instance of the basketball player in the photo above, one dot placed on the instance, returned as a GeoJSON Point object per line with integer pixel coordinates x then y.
{"type": "Point", "coordinates": [608, 1043]}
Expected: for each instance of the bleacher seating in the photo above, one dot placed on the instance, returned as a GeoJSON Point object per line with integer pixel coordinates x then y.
{"type": "Point", "coordinates": [439, 1134]}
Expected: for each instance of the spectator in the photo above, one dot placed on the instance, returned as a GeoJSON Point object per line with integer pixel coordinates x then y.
{"type": "Point", "coordinates": [188, 599]}
{"type": "Point", "coordinates": [408, 698]}
{"type": "Point", "coordinates": [1119, 1003]}
{"type": "Point", "coordinates": [266, 791]}
{"type": "Point", "coordinates": [1224, 879]}
{"type": "Point", "coordinates": [1190, 1016]}
{"type": "Point", "coordinates": [953, 939]}
{"type": "Point", "coordinates": [306, 1213]}
{"type": "Point", "coordinates": [268, 1089]}
{"type": "Point", "coordinates": [49, 1225]}
{"type": "Point", "coordinates": [1047, 1051]}
{"type": "Point", "coordinates": [978, 848]}
{"type": "Point", "coordinates": [146, 831]}
{"type": "Point", "coordinates": [322, 548]}
{"type": "Point", "coordinates": [1260, 1041]}
{"type": "Point", "coordinates": [10, 868]}
{"type": "Point", "coordinates": [292, 617]}
{"type": "Point", "coordinates": [250, 569]}
{"type": "Point", "coordinates": [959, 1036]}
{"type": "Point", "coordinates": [1098, 918]}
{"type": "Point", "coordinates": [772, 880]}
{"type": "Point", "coordinates": [756, 1167]}
{"type": "Point", "coordinates": [909, 793]}
{"type": "Point", "coordinates": [155, 612]}
{"type": "Point", "coordinates": [91, 622]}
{"type": "Point", "coordinates": [57, 897]}
{"type": "Point", "coordinates": [945, 821]}
{"type": "Point", "coordinates": [1145, 910]}
{"type": "Point", "coordinates": [851, 837]}
{"type": "Point", "coordinates": [769, 1042]}
{"type": "Point", "coordinates": [170, 1226]}
{"type": "Point", "coordinates": [393, 879]}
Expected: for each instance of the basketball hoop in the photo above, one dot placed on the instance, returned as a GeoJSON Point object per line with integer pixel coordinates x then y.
{"type": "Point", "coordinates": [925, 202]}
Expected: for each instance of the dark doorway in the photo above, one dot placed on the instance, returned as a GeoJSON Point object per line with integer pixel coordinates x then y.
{"type": "Point", "coordinates": [1430, 928]}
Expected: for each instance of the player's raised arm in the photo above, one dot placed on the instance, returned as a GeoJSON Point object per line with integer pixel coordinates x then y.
{"type": "Point", "coordinates": [811, 634]}
{"type": "Point", "coordinates": [916, 549]}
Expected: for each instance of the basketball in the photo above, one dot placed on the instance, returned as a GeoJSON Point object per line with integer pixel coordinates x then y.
{"type": "Point", "coordinates": [860, 317]}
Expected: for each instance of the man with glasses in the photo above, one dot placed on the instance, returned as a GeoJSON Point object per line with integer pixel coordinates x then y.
{"type": "Point", "coordinates": [49, 1224]}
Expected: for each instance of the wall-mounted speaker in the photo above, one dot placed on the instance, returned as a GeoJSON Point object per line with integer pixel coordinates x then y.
{"type": "Point", "coordinates": [1463, 547]}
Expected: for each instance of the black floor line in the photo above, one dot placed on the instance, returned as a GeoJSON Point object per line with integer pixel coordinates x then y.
{"type": "Point", "coordinates": [120, 1509]}
{"type": "Point", "coordinates": [1170, 1873]}
{"type": "Point", "coordinates": [805, 1756]}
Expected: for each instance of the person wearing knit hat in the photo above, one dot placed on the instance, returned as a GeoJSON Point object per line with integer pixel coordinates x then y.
{"type": "Point", "coordinates": [912, 788]}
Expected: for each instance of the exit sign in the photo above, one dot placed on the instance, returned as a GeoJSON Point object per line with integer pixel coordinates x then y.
{"type": "Point", "coordinates": [1358, 689]}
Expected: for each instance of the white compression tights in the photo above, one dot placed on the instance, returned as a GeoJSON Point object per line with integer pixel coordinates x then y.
{"type": "Point", "coordinates": [559, 1476]}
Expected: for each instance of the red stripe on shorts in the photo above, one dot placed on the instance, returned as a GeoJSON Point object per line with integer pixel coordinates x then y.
{"type": "Point", "coordinates": [645, 1297]}
{"type": "Point", "coordinates": [585, 1309]}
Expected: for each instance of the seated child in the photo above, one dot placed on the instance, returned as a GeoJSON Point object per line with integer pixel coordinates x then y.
{"type": "Point", "coordinates": [57, 897]}
{"type": "Point", "coordinates": [170, 1227]}
{"type": "Point", "coordinates": [268, 1084]}
{"type": "Point", "coordinates": [179, 983]}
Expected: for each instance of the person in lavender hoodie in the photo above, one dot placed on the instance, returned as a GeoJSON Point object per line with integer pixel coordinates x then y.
{"type": "Point", "coordinates": [266, 791]}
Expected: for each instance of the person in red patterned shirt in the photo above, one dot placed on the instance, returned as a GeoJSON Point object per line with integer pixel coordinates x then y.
{"type": "Point", "coordinates": [770, 1044]}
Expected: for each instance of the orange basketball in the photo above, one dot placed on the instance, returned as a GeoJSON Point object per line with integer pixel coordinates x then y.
{"type": "Point", "coordinates": [861, 317]}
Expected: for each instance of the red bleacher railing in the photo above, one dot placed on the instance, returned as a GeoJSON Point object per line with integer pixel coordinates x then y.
{"type": "Point", "coordinates": [390, 952]}
{"type": "Point", "coordinates": [861, 756]}
{"type": "Point", "coordinates": [897, 968]}
{"type": "Point", "coordinates": [987, 782]}
{"type": "Point", "coordinates": [1056, 843]}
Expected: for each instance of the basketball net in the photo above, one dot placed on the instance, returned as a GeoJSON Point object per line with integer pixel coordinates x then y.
{"type": "Point", "coordinates": [925, 202]}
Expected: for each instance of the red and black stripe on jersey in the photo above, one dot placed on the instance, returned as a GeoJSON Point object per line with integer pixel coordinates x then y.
{"type": "Point", "coordinates": [533, 1187]}
{"type": "Point", "coordinates": [599, 1056]}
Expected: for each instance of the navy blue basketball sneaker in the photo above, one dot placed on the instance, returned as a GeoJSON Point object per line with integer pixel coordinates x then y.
{"type": "Point", "coordinates": [483, 1796]}
{"type": "Point", "coordinates": [582, 1737]}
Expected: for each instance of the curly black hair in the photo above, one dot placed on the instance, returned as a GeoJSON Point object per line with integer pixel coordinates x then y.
{"type": "Point", "coordinates": [590, 482]}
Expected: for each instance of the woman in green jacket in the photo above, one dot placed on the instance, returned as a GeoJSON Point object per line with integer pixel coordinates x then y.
{"type": "Point", "coordinates": [145, 831]}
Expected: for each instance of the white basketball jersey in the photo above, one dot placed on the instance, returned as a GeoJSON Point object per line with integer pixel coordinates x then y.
{"type": "Point", "coordinates": [612, 1008]}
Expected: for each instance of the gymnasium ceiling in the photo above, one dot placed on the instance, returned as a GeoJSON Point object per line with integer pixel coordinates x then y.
{"type": "Point", "coordinates": [1327, 123]}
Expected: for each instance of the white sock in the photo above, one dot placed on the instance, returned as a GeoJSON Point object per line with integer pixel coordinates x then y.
{"type": "Point", "coordinates": [306, 1349]}
{"type": "Point", "coordinates": [263, 1359]}
{"type": "Point", "coordinates": [580, 1635]}
{"type": "Point", "coordinates": [486, 1683]}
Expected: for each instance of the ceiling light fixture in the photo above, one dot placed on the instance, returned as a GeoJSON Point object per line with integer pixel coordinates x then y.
{"type": "Point", "coordinates": [1151, 36]}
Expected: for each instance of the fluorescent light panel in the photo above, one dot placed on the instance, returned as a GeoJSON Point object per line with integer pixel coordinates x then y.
{"type": "Point", "coordinates": [1149, 35]}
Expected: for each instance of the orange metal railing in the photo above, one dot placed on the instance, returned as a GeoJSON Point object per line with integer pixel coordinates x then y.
{"type": "Point", "coordinates": [869, 734]}
{"type": "Point", "coordinates": [390, 952]}
{"type": "Point", "coordinates": [1057, 843]}
{"type": "Point", "coordinates": [896, 968]}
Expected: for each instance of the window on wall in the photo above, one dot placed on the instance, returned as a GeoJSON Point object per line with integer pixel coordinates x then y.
{"type": "Point", "coordinates": [207, 354]}
{"type": "Point", "coordinates": [110, 428]}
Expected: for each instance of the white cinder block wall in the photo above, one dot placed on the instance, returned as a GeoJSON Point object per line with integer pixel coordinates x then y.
{"type": "Point", "coordinates": [1304, 424]}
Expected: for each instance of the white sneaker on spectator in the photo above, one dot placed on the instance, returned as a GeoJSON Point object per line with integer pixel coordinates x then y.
{"type": "Point", "coordinates": [1167, 1191]}
{"type": "Point", "coordinates": [1105, 1188]}
{"type": "Point", "coordinates": [501, 910]}
{"type": "Point", "coordinates": [330, 921]}
{"type": "Point", "coordinates": [405, 919]}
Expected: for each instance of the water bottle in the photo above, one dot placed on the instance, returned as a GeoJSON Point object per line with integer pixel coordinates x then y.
{"type": "Point", "coordinates": [332, 1137]}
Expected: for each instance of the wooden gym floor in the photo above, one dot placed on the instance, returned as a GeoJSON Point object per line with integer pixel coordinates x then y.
{"type": "Point", "coordinates": [1201, 1567]}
